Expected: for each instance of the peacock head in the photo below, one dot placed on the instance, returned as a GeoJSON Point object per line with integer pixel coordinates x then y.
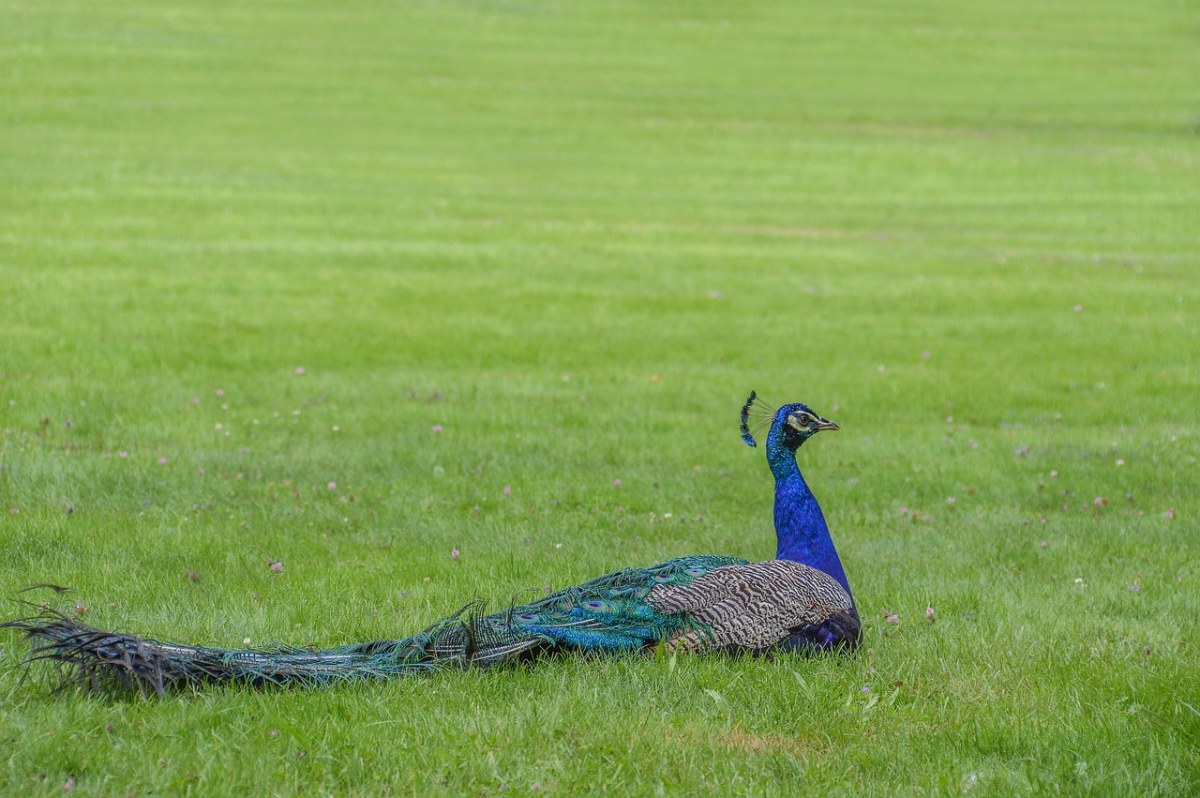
{"type": "Point", "coordinates": [791, 424]}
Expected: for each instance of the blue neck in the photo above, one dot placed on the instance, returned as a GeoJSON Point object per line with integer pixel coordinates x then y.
{"type": "Point", "coordinates": [799, 523]}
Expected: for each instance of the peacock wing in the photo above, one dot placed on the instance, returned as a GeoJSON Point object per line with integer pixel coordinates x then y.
{"type": "Point", "coordinates": [612, 612]}
{"type": "Point", "coordinates": [754, 606]}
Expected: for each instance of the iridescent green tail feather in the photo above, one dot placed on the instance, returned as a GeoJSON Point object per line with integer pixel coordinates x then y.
{"type": "Point", "coordinates": [106, 660]}
{"type": "Point", "coordinates": [611, 613]}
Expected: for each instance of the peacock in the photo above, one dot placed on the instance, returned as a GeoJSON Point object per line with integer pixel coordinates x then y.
{"type": "Point", "coordinates": [798, 602]}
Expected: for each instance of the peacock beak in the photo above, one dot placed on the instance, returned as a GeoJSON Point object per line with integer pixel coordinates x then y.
{"type": "Point", "coordinates": [827, 424]}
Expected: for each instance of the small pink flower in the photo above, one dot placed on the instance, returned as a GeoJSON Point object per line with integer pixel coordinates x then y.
{"type": "Point", "coordinates": [220, 392]}
{"type": "Point", "coordinates": [1169, 513]}
{"type": "Point", "coordinates": [435, 429]}
{"type": "Point", "coordinates": [299, 369]}
{"type": "Point", "coordinates": [332, 486]}
{"type": "Point", "coordinates": [507, 490]}
{"type": "Point", "coordinates": [15, 510]}
{"type": "Point", "coordinates": [1099, 501]}
{"type": "Point", "coordinates": [1043, 544]}
{"type": "Point", "coordinates": [951, 500]}
{"type": "Point", "coordinates": [454, 553]}
{"type": "Point", "coordinates": [893, 618]}
{"type": "Point", "coordinates": [929, 613]}
{"type": "Point", "coordinates": [276, 566]}
{"type": "Point", "coordinates": [274, 732]}
{"type": "Point", "coordinates": [123, 455]}
{"type": "Point", "coordinates": [1079, 308]}
{"type": "Point", "coordinates": [865, 689]}
{"type": "Point", "coordinates": [162, 461]}
{"type": "Point", "coordinates": [616, 483]}
{"type": "Point", "coordinates": [69, 784]}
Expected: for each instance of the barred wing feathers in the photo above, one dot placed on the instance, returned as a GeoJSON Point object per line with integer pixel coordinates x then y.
{"type": "Point", "coordinates": [759, 606]}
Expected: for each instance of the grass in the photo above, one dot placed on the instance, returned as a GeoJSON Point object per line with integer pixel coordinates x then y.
{"type": "Point", "coordinates": [574, 236]}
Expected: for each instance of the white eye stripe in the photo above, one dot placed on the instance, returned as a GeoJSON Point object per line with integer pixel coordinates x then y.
{"type": "Point", "coordinates": [802, 421]}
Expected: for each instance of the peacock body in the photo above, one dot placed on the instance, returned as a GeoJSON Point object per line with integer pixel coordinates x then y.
{"type": "Point", "coordinates": [799, 601]}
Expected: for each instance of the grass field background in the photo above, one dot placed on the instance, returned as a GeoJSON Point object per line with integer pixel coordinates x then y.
{"type": "Point", "coordinates": [251, 255]}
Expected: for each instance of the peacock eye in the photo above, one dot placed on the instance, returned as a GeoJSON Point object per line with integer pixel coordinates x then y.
{"type": "Point", "coordinates": [804, 418]}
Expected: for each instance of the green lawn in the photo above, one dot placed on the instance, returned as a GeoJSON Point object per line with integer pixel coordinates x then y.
{"type": "Point", "coordinates": [574, 235]}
